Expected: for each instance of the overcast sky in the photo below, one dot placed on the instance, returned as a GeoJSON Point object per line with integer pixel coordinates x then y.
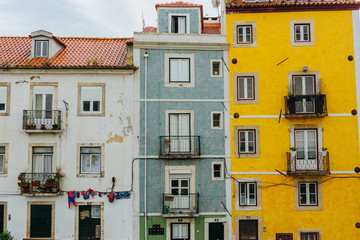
{"type": "Point", "coordinates": [82, 18]}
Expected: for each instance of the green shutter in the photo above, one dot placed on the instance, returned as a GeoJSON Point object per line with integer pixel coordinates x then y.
{"type": "Point", "coordinates": [40, 221]}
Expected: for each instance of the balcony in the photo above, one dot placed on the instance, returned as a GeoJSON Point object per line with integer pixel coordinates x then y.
{"type": "Point", "coordinates": [181, 205]}
{"type": "Point", "coordinates": [37, 185]}
{"type": "Point", "coordinates": [300, 163]}
{"type": "Point", "coordinates": [42, 121]}
{"type": "Point", "coordinates": [303, 106]}
{"type": "Point", "coordinates": [179, 146]}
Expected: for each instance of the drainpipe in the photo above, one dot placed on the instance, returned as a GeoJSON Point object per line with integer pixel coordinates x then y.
{"type": "Point", "coordinates": [146, 56]}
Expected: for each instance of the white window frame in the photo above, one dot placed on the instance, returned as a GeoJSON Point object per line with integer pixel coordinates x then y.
{"type": "Point", "coordinates": [42, 155]}
{"type": "Point", "coordinates": [238, 206]}
{"type": "Point", "coordinates": [5, 157]}
{"type": "Point", "coordinates": [212, 68]}
{"type": "Point", "coordinates": [253, 42]}
{"type": "Point", "coordinates": [91, 103]}
{"type": "Point", "coordinates": [187, 21]}
{"type": "Point", "coordinates": [293, 40]}
{"type": "Point", "coordinates": [181, 77]}
{"type": "Point", "coordinates": [213, 171]}
{"type": "Point", "coordinates": [246, 131]}
{"type": "Point", "coordinates": [5, 87]}
{"type": "Point", "coordinates": [303, 237]}
{"type": "Point", "coordinates": [100, 174]}
{"type": "Point", "coordinates": [42, 47]}
{"type": "Point", "coordinates": [307, 193]}
{"type": "Point", "coordinates": [101, 112]}
{"type": "Point", "coordinates": [244, 29]}
{"type": "Point", "coordinates": [302, 231]}
{"type": "Point", "coordinates": [181, 225]}
{"type": "Point", "coordinates": [90, 156]}
{"type": "Point", "coordinates": [302, 28]}
{"type": "Point", "coordinates": [245, 78]}
{"type": "Point", "coordinates": [212, 120]}
{"type": "Point", "coordinates": [313, 207]}
{"type": "Point", "coordinates": [247, 193]}
{"type": "Point", "coordinates": [191, 82]}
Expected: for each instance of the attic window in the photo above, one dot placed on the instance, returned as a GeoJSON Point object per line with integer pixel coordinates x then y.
{"type": "Point", "coordinates": [42, 48]}
{"type": "Point", "coordinates": [178, 24]}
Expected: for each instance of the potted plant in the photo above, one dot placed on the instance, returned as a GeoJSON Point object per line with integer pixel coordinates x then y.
{"type": "Point", "coordinates": [25, 190]}
{"type": "Point", "coordinates": [324, 151]}
{"type": "Point", "coordinates": [23, 184]}
{"type": "Point", "coordinates": [19, 176]}
{"type": "Point", "coordinates": [42, 188]}
{"type": "Point", "coordinates": [293, 151]}
{"type": "Point", "coordinates": [32, 126]}
{"type": "Point", "coordinates": [35, 183]}
{"type": "Point", "coordinates": [55, 127]}
{"type": "Point", "coordinates": [50, 182]}
{"type": "Point", "coordinates": [5, 235]}
{"type": "Point", "coordinates": [27, 126]}
{"type": "Point", "coordinates": [43, 127]}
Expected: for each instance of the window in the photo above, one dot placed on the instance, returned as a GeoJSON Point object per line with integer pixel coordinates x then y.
{"type": "Point", "coordinates": [246, 141]}
{"type": "Point", "coordinates": [247, 194]}
{"type": "Point", "coordinates": [217, 171]}
{"type": "Point", "coordinates": [245, 88]}
{"type": "Point", "coordinates": [2, 160]}
{"type": "Point", "coordinates": [244, 34]}
{"type": "Point", "coordinates": [90, 159]}
{"type": "Point", "coordinates": [92, 99]}
{"type": "Point", "coordinates": [216, 120]}
{"type": "Point", "coordinates": [179, 69]}
{"type": "Point", "coordinates": [302, 32]}
{"type": "Point", "coordinates": [41, 48]}
{"type": "Point", "coordinates": [309, 236]}
{"type": "Point", "coordinates": [303, 86]}
{"type": "Point", "coordinates": [180, 132]}
{"type": "Point", "coordinates": [248, 230]}
{"type": "Point", "coordinates": [2, 217]}
{"type": "Point", "coordinates": [178, 24]}
{"type": "Point", "coordinates": [180, 231]}
{"type": "Point", "coordinates": [41, 221]}
{"type": "Point", "coordinates": [216, 70]}
{"type": "Point", "coordinates": [308, 193]}
{"type": "Point", "coordinates": [306, 149]}
{"type": "Point", "coordinates": [90, 222]}
{"type": "Point", "coordinates": [42, 159]}
{"type": "Point", "coordinates": [4, 99]}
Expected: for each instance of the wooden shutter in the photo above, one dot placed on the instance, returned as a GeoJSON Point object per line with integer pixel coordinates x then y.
{"type": "Point", "coordinates": [40, 221]}
{"type": "Point", "coordinates": [2, 218]}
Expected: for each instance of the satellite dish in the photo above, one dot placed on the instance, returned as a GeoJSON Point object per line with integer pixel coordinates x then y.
{"type": "Point", "coordinates": [216, 3]}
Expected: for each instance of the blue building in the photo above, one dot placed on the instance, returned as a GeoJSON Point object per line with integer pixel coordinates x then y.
{"type": "Point", "coordinates": [183, 89]}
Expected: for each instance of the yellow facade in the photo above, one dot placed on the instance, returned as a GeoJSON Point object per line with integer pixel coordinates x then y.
{"type": "Point", "coordinates": [279, 211]}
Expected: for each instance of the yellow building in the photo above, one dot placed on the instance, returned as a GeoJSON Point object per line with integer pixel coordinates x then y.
{"type": "Point", "coordinates": [293, 86]}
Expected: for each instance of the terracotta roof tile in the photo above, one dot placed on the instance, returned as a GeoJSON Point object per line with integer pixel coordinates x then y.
{"type": "Point", "coordinates": [150, 29]}
{"type": "Point", "coordinates": [177, 4]}
{"type": "Point", "coordinates": [211, 28]}
{"type": "Point", "coordinates": [77, 52]}
{"type": "Point", "coordinates": [287, 3]}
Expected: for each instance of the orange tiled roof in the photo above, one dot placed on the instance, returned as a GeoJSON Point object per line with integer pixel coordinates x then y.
{"type": "Point", "coordinates": [287, 3]}
{"type": "Point", "coordinates": [150, 30]}
{"type": "Point", "coordinates": [77, 52]}
{"type": "Point", "coordinates": [178, 4]}
{"type": "Point", "coordinates": [211, 28]}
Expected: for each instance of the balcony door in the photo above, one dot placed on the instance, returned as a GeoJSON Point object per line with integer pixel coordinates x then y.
{"type": "Point", "coordinates": [180, 188]}
{"type": "Point", "coordinates": [42, 163]}
{"type": "Point", "coordinates": [303, 86]}
{"type": "Point", "coordinates": [43, 105]}
{"type": "Point", "coordinates": [179, 133]}
{"type": "Point", "coordinates": [180, 231]}
{"type": "Point", "coordinates": [306, 149]}
{"type": "Point", "coordinates": [89, 222]}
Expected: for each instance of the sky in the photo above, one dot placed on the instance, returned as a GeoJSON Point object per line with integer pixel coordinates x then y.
{"type": "Point", "coordinates": [82, 18]}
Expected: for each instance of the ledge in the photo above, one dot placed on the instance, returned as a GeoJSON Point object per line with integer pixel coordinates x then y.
{"type": "Point", "coordinates": [177, 215]}
{"type": "Point", "coordinates": [41, 131]}
{"type": "Point", "coordinates": [308, 173]}
{"type": "Point", "coordinates": [305, 115]}
{"type": "Point", "coordinates": [41, 194]}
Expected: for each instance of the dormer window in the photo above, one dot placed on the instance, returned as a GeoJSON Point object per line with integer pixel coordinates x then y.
{"type": "Point", "coordinates": [42, 48]}
{"type": "Point", "coordinates": [178, 24]}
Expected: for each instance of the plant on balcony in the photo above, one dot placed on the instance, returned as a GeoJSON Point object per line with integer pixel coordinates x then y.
{"type": "Point", "coordinates": [50, 182]}
{"type": "Point", "coordinates": [324, 151]}
{"type": "Point", "coordinates": [23, 184]}
{"type": "Point", "coordinates": [59, 174]}
{"type": "Point", "coordinates": [42, 188]}
{"type": "Point", "coordinates": [19, 176]}
{"type": "Point", "coordinates": [35, 183]}
{"type": "Point", "coordinates": [32, 126]}
{"type": "Point", "coordinates": [55, 127]}
{"type": "Point", "coordinates": [43, 127]}
{"type": "Point", "coordinates": [27, 126]}
{"type": "Point", "coordinates": [293, 151]}
{"type": "Point", "coordinates": [6, 236]}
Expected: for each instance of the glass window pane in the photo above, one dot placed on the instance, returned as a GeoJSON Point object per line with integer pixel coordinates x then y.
{"type": "Point", "coordinates": [174, 70]}
{"type": "Point", "coordinates": [250, 90]}
{"type": "Point", "coordinates": [96, 106]}
{"type": "Point", "coordinates": [175, 230]}
{"type": "Point", "coordinates": [45, 48]}
{"type": "Point", "coordinates": [174, 183]}
{"type": "Point", "coordinates": [248, 229]}
{"type": "Point", "coordinates": [95, 163]}
{"type": "Point", "coordinates": [2, 163]}
{"type": "Point", "coordinates": [241, 86]}
{"type": "Point", "coordinates": [241, 34]}
{"type": "Point", "coordinates": [90, 150]}
{"type": "Point", "coordinates": [42, 149]}
{"type": "Point", "coordinates": [38, 49]}
{"type": "Point", "coordinates": [2, 150]}
{"type": "Point", "coordinates": [216, 68]}
{"type": "Point", "coordinates": [85, 163]}
{"type": "Point", "coordinates": [185, 70]}
{"type": "Point", "coordinates": [86, 106]}
{"type": "Point", "coordinates": [2, 106]}
{"type": "Point", "coordinates": [49, 101]}
{"type": "Point", "coordinates": [184, 183]}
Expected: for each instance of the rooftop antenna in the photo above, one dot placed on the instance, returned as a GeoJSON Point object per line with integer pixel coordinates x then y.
{"type": "Point", "coordinates": [216, 4]}
{"type": "Point", "coordinates": [143, 20]}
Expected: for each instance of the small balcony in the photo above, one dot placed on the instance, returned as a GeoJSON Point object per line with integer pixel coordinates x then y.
{"type": "Point", "coordinates": [179, 146]}
{"type": "Point", "coordinates": [300, 163]}
{"type": "Point", "coordinates": [42, 121]}
{"type": "Point", "coordinates": [181, 205]}
{"type": "Point", "coordinates": [302, 106]}
{"type": "Point", "coordinates": [38, 184]}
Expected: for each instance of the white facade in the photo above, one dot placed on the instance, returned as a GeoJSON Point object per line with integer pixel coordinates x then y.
{"type": "Point", "coordinates": [113, 132]}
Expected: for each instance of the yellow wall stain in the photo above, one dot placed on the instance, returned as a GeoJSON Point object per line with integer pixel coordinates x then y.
{"type": "Point", "coordinates": [115, 138]}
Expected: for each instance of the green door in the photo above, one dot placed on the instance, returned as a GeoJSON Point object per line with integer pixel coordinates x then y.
{"type": "Point", "coordinates": [89, 222]}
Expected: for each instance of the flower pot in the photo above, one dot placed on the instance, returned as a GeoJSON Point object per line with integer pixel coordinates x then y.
{"type": "Point", "coordinates": [324, 153]}
{"type": "Point", "coordinates": [23, 185]}
{"type": "Point", "coordinates": [50, 184]}
{"type": "Point", "coordinates": [293, 153]}
{"type": "Point", "coordinates": [27, 127]}
{"type": "Point", "coordinates": [19, 178]}
{"type": "Point", "coordinates": [25, 190]}
{"type": "Point", "coordinates": [33, 127]}
{"type": "Point", "coordinates": [35, 184]}
{"type": "Point", "coordinates": [43, 127]}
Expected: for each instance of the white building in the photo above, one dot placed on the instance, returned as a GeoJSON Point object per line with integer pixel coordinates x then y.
{"type": "Point", "coordinates": [78, 95]}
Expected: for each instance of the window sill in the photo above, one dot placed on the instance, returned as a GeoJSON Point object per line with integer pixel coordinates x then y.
{"type": "Point", "coordinates": [179, 85]}
{"type": "Point", "coordinates": [90, 175]}
{"type": "Point", "coordinates": [91, 114]}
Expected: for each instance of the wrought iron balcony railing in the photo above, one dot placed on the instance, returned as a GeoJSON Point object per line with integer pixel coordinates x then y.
{"type": "Point", "coordinates": [181, 204]}
{"type": "Point", "coordinates": [41, 120]}
{"type": "Point", "coordinates": [311, 163]}
{"type": "Point", "coordinates": [179, 146]}
{"type": "Point", "coordinates": [305, 106]}
{"type": "Point", "coordinates": [37, 183]}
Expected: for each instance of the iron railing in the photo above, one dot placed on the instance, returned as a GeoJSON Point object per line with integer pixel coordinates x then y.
{"type": "Point", "coordinates": [181, 204]}
{"type": "Point", "coordinates": [315, 163]}
{"type": "Point", "coordinates": [42, 119]}
{"type": "Point", "coordinates": [37, 183]}
{"type": "Point", "coordinates": [181, 146]}
{"type": "Point", "coordinates": [306, 105]}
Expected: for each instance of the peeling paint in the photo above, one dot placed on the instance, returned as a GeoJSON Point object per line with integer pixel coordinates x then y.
{"type": "Point", "coordinates": [33, 77]}
{"type": "Point", "coordinates": [111, 115]}
{"type": "Point", "coordinates": [128, 129]}
{"type": "Point", "coordinates": [22, 81]}
{"type": "Point", "coordinates": [115, 138]}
